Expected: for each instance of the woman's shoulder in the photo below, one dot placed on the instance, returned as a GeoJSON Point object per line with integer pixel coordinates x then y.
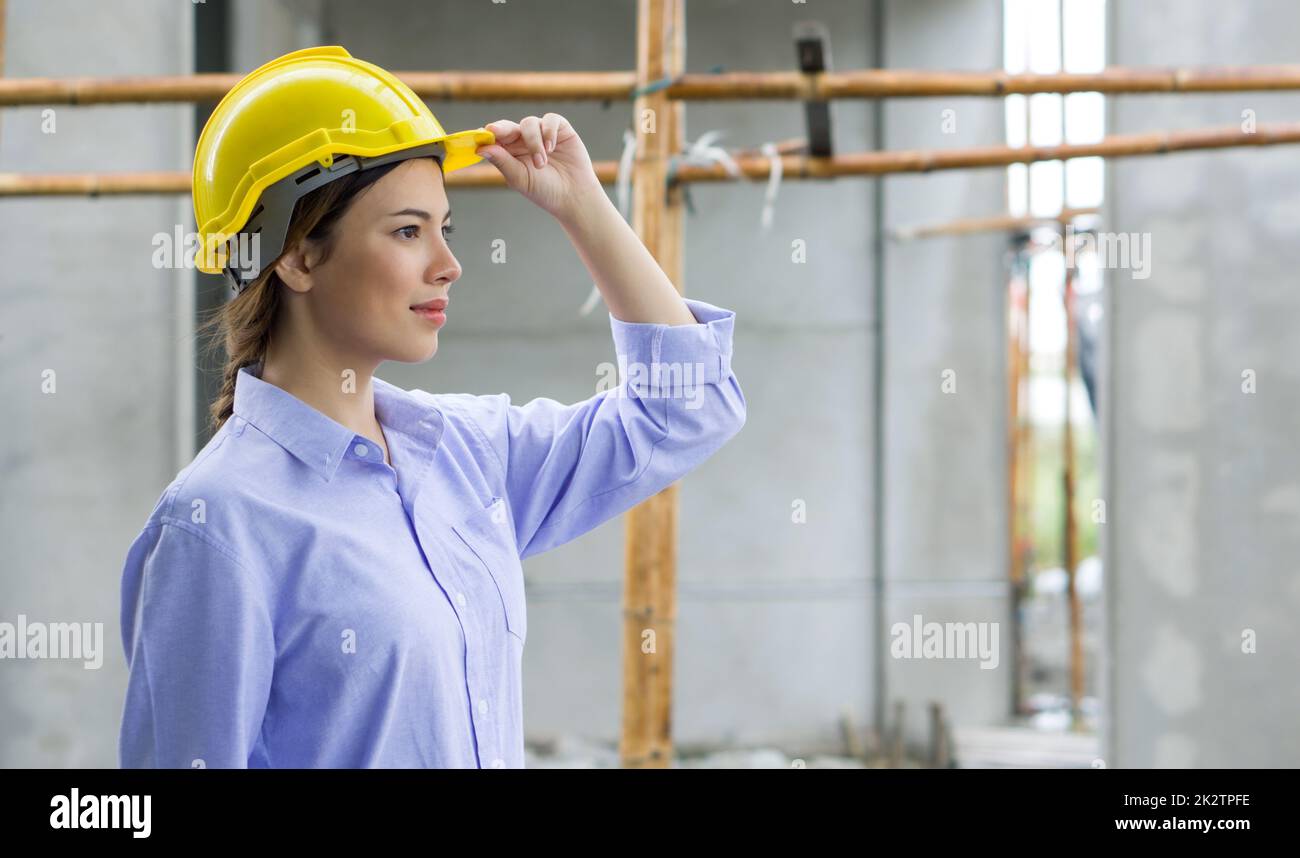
{"type": "Point", "coordinates": [465, 411]}
{"type": "Point", "coordinates": [207, 483]}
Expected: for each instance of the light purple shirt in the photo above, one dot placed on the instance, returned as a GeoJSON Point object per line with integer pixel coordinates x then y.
{"type": "Point", "coordinates": [294, 601]}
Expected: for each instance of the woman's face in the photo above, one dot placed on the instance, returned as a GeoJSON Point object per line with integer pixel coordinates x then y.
{"type": "Point", "coordinates": [389, 254]}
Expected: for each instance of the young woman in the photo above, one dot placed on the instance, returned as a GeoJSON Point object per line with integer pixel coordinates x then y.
{"type": "Point", "coordinates": [335, 580]}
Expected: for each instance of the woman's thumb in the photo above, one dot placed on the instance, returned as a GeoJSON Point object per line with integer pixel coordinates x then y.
{"type": "Point", "coordinates": [506, 163]}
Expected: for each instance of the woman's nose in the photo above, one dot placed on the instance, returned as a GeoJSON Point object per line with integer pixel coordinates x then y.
{"type": "Point", "coordinates": [446, 267]}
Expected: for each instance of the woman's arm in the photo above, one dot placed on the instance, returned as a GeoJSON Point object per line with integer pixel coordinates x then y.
{"type": "Point", "coordinates": [635, 288]}
{"type": "Point", "coordinates": [545, 160]}
{"type": "Point", "coordinates": [200, 649]}
{"type": "Point", "coordinates": [565, 469]}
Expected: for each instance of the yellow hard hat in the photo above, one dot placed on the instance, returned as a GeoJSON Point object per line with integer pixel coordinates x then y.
{"type": "Point", "coordinates": [272, 138]}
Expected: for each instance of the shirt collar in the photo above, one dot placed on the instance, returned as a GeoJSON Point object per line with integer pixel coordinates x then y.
{"type": "Point", "coordinates": [321, 442]}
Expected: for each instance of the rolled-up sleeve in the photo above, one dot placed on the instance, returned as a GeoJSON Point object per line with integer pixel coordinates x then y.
{"type": "Point", "coordinates": [569, 468]}
{"type": "Point", "coordinates": [199, 645]}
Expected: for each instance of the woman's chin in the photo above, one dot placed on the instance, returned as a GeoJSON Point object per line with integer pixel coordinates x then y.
{"type": "Point", "coordinates": [415, 351]}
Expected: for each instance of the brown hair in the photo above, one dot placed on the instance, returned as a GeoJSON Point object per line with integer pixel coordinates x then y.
{"type": "Point", "coordinates": [244, 324]}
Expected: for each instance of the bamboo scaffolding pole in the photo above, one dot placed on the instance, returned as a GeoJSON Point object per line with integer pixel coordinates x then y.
{"type": "Point", "coordinates": [177, 182]}
{"type": "Point", "coordinates": [993, 223]}
{"type": "Point", "coordinates": [449, 86]}
{"type": "Point", "coordinates": [933, 160]}
{"type": "Point", "coordinates": [1019, 528]}
{"type": "Point", "coordinates": [738, 85]}
{"type": "Point", "coordinates": [1017, 372]}
{"type": "Point", "coordinates": [903, 83]}
{"type": "Point", "coordinates": [1070, 534]}
{"type": "Point", "coordinates": [93, 184]}
{"type": "Point", "coordinates": [650, 577]}
{"type": "Point", "coordinates": [1067, 441]}
{"type": "Point", "coordinates": [795, 167]}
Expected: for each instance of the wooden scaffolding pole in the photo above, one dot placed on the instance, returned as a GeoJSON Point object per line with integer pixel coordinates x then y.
{"type": "Point", "coordinates": [446, 86]}
{"type": "Point", "coordinates": [795, 167]}
{"type": "Point", "coordinates": [993, 223]}
{"type": "Point", "coordinates": [650, 580]}
{"type": "Point", "coordinates": [1070, 530]}
{"type": "Point", "coordinates": [903, 83]}
{"type": "Point", "coordinates": [1018, 521]}
{"type": "Point", "coordinates": [739, 85]}
{"type": "Point", "coordinates": [1071, 534]}
{"type": "Point", "coordinates": [931, 160]}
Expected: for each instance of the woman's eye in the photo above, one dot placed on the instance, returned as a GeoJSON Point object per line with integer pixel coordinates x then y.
{"type": "Point", "coordinates": [446, 230]}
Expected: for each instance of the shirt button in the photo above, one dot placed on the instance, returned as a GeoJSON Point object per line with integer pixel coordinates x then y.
{"type": "Point", "coordinates": [460, 599]}
{"type": "Point", "coordinates": [482, 707]}
{"type": "Point", "coordinates": [360, 449]}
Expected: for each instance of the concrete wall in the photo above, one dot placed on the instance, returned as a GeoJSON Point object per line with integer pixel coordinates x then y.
{"type": "Point", "coordinates": [945, 466]}
{"type": "Point", "coordinates": [1204, 505]}
{"type": "Point", "coordinates": [82, 465]}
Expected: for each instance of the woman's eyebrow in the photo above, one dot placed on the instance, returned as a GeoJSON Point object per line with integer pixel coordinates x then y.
{"type": "Point", "coordinates": [420, 213]}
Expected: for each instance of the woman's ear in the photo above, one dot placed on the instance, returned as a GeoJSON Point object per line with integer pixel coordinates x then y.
{"type": "Point", "coordinates": [294, 269]}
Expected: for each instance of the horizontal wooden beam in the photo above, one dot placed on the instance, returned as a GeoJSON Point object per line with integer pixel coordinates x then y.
{"type": "Point", "coordinates": [794, 166]}
{"type": "Point", "coordinates": [993, 223]}
{"type": "Point", "coordinates": [737, 85]}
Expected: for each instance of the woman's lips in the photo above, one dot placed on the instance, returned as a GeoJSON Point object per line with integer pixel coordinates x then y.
{"type": "Point", "coordinates": [433, 310]}
{"type": "Point", "coordinates": [438, 317]}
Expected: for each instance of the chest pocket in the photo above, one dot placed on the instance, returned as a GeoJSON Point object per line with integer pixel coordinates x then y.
{"type": "Point", "coordinates": [489, 534]}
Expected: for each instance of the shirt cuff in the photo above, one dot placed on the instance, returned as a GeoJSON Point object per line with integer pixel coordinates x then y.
{"type": "Point", "coordinates": [653, 355]}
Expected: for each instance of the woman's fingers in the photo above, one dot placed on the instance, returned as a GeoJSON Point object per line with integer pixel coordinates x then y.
{"type": "Point", "coordinates": [532, 136]}
{"type": "Point", "coordinates": [551, 130]}
{"type": "Point", "coordinates": [501, 152]}
{"type": "Point", "coordinates": [531, 128]}
{"type": "Point", "coordinates": [503, 130]}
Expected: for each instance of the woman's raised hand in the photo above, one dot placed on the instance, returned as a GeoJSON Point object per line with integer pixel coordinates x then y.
{"type": "Point", "coordinates": [544, 159]}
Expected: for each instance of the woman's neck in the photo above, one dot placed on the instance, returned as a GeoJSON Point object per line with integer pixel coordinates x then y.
{"type": "Point", "coordinates": [344, 394]}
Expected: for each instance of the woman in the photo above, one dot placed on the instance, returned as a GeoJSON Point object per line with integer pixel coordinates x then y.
{"type": "Point", "coordinates": [335, 580]}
